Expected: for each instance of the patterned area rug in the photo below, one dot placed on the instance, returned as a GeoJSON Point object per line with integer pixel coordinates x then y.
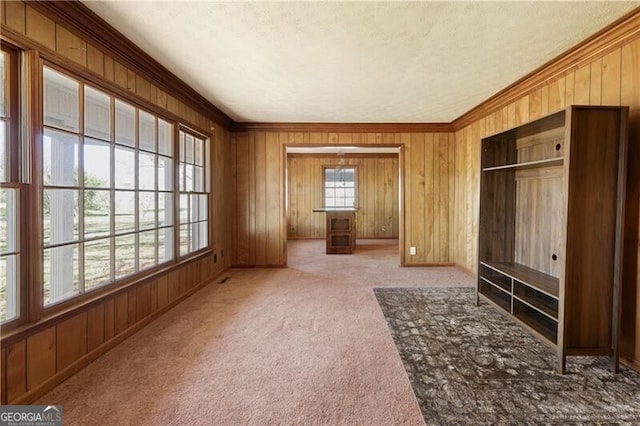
{"type": "Point", "coordinates": [471, 364]}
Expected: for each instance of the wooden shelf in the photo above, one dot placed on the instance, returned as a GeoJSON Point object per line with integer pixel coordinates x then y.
{"type": "Point", "coordinates": [496, 278]}
{"type": "Point", "coordinates": [544, 325]}
{"type": "Point", "coordinates": [542, 302]}
{"type": "Point", "coordinates": [496, 295]}
{"type": "Point", "coordinates": [556, 161]}
{"type": "Point", "coordinates": [540, 281]}
{"type": "Point", "coordinates": [549, 207]}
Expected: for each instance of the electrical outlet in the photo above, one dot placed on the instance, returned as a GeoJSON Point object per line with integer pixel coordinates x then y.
{"type": "Point", "coordinates": [413, 251]}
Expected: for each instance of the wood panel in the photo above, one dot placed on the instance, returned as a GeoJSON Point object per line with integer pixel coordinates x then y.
{"type": "Point", "coordinates": [41, 357]}
{"type": "Point", "coordinates": [434, 196]}
{"type": "Point", "coordinates": [71, 46]}
{"type": "Point", "coordinates": [16, 375]}
{"type": "Point", "coordinates": [630, 95]}
{"type": "Point", "coordinates": [121, 312]}
{"type": "Point", "coordinates": [377, 196]}
{"type": "Point", "coordinates": [144, 301]}
{"type": "Point", "coordinates": [15, 15]}
{"type": "Point", "coordinates": [40, 28]}
{"type": "Point", "coordinates": [71, 340]}
{"type": "Point", "coordinates": [95, 327]}
{"type": "Point", "coordinates": [538, 226]}
{"type": "Point", "coordinates": [415, 217]}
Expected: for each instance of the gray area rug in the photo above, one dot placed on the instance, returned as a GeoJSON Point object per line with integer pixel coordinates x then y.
{"type": "Point", "coordinates": [472, 365]}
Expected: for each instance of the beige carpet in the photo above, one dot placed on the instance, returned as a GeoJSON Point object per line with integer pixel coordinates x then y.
{"type": "Point", "coordinates": [303, 345]}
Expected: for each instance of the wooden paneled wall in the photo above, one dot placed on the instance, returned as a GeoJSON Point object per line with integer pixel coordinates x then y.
{"type": "Point", "coordinates": [426, 165]}
{"type": "Point", "coordinates": [35, 363]}
{"type": "Point", "coordinates": [41, 355]}
{"type": "Point", "coordinates": [610, 76]}
{"type": "Point", "coordinates": [377, 195]}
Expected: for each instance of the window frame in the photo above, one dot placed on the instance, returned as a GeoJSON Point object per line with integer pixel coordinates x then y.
{"type": "Point", "coordinates": [206, 191]}
{"type": "Point", "coordinates": [36, 307]}
{"type": "Point", "coordinates": [16, 179]}
{"type": "Point", "coordinates": [354, 167]}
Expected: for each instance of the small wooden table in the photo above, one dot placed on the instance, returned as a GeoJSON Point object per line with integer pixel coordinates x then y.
{"type": "Point", "coordinates": [340, 230]}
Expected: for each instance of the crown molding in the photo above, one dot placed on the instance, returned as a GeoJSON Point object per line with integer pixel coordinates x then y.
{"type": "Point", "coordinates": [345, 127]}
{"type": "Point", "coordinates": [85, 23]}
{"type": "Point", "coordinates": [609, 38]}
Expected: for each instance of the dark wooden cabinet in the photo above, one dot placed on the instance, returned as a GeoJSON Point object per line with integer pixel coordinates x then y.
{"type": "Point", "coordinates": [341, 232]}
{"type": "Point", "coordinates": [550, 227]}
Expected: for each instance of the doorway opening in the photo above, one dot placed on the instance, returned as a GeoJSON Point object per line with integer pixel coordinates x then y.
{"type": "Point", "coordinates": [375, 190]}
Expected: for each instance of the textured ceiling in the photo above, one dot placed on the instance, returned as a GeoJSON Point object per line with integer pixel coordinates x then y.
{"type": "Point", "coordinates": [354, 61]}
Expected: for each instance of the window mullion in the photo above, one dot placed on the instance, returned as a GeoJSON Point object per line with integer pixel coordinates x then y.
{"type": "Point", "coordinates": [81, 194]}
{"type": "Point", "coordinates": [32, 125]}
{"type": "Point", "coordinates": [112, 191]}
{"type": "Point", "coordinates": [176, 192]}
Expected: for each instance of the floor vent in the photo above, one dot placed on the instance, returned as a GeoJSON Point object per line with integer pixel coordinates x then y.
{"type": "Point", "coordinates": [224, 280]}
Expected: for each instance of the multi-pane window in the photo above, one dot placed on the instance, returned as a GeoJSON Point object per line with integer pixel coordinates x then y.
{"type": "Point", "coordinates": [340, 186]}
{"type": "Point", "coordinates": [9, 190]}
{"type": "Point", "coordinates": [107, 179]}
{"type": "Point", "coordinates": [194, 192]}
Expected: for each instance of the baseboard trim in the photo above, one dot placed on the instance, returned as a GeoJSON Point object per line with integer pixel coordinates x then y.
{"type": "Point", "coordinates": [428, 265]}
{"type": "Point", "coordinates": [466, 270]}
{"type": "Point", "coordinates": [258, 266]}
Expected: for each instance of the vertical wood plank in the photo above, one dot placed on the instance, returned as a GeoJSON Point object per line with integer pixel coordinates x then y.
{"type": "Point", "coordinates": [522, 110]}
{"type": "Point", "coordinates": [3, 351]}
{"type": "Point", "coordinates": [595, 91]}
{"type": "Point", "coordinates": [120, 75]}
{"type": "Point", "coordinates": [15, 363]}
{"type": "Point", "coordinates": [40, 28]}
{"type": "Point", "coordinates": [242, 198]}
{"type": "Point", "coordinates": [143, 88]}
{"type": "Point", "coordinates": [109, 319]}
{"type": "Point", "coordinates": [544, 97]}
{"type": "Point", "coordinates": [95, 327]}
{"type": "Point", "coordinates": [582, 85]}
{"type": "Point", "coordinates": [41, 357]}
{"type": "Point", "coordinates": [260, 188]}
{"type": "Point", "coordinates": [154, 295]}
{"type": "Point", "coordinates": [71, 46]}
{"type": "Point", "coordinates": [71, 340]}
{"type": "Point", "coordinates": [15, 15]}
{"type": "Point", "coordinates": [131, 82]}
{"type": "Point", "coordinates": [95, 60]}
{"type": "Point", "coordinates": [121, 312]}
{"type": "Point", "coordinates": [535, 105]}
{"type": "Point", "coordinates": [143, 298]}
{"type": "Point", "coordinates": [132, 308]}
{"type": "Point", "coordinates": [430, 218]}
{"type": "Point", "coordinates": [405, 140]}
{"type": "Point", "coordinates": [569, 88]}
{"type": "Point", "coordinates": [452, 193]}
{"type": "Point", "coordinates": [161, 99]}
{"type": "Point", "coordinates": [611, 78]}
{"type": "Point", "coordinates": [556, 94]}
{"type": "Point", "coordinates": [417, 208]}
{"type": "Point", "coordinates": [109, 69]}
{"type": "Point", "coordinates": [273, 172]}
{"type": "Point", "coordinates": [443, 197]}
{"type": "Point", "coordinates": [251, 190]}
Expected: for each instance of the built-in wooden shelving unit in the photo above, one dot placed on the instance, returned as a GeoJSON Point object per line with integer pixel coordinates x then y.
{"type": "Point", "coordinates": [550, 229]}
